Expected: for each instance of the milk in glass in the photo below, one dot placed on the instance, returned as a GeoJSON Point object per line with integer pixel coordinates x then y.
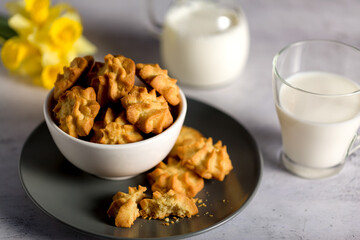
{"type": "Point", "coordinates": [317, 130]}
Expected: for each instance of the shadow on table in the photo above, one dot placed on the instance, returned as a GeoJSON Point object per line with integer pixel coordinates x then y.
{"type": "Point", "coordinates": [269, 141]}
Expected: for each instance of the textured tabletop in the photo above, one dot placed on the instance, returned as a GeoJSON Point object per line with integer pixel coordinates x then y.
{"type": "Point", "coordinates": [285, 206]}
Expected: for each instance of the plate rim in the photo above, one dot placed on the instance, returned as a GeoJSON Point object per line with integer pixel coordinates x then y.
{"type": "Point", "coordinates": [181, 236]}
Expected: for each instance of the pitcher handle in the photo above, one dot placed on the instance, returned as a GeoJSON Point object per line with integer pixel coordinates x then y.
{"type": "Point", "coordinates": [355, 144]}
{"type": "Point", "coordinates": [155, 25]}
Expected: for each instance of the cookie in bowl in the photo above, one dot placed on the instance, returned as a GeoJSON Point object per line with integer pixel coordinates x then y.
{"type": "Point", "coordinates": [105, 145]}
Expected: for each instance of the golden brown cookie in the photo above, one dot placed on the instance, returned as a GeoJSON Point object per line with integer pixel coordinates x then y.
{"type": "Point", "coordinates": [187, 136]}
{"type": "Point", "coordinates": [170, 203]}
{"type": "Point", "coordinates": [117, 133]}
{"type": "Point", "coordinates": [107, 117]}
{"type": "Point", "coordinates": [79, 66]}
{"type": "Point", "coordinates": [93, 72]}
{"type": "Point", "coordinates": [114, 80]}
{"type": "Point", "coordinates": [172, 175]}
{"type": "Point", "coordinates": [206, 159]}
{"type": "Point", "coordinates": [147, 111]}
{"type": "Point", "coordinates": [159, 79]}
{"type": "Point", "coordinates": [115, 129]}
{"type": "Point", "coordinates": [76, 110]}
{"type": "Point", "coordinates": [124, 206]}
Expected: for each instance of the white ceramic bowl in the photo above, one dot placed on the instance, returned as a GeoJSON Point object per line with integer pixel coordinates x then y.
{"type": "Point", "coordinates": [118, 161]}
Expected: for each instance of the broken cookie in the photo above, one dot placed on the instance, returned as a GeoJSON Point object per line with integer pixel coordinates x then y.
{"type": "Point", "coordinates": [170, 203]}
{"type": "Point", "coordinates": [124, 206]}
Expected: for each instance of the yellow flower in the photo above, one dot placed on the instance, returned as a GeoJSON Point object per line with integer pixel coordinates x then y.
{"type": "Point", "coordinates": [31, 66]}
{"type": "Point", "coordinates": [21, 57]}
{"type": "Point", "coordinates": [48, 39]}
{"type": "Point", "coordinates": [13, 53]}
{"type": "Point", "coordinates": [22, 25]}
{"type": "Point", "coordinates": [64, 32]}
{"type": "Point", "coordinates": [38, 10]}
{"type": "Point", "coordinates": [49, 75]}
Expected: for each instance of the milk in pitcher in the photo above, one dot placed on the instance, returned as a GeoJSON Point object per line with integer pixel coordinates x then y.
{"type": "Point", "coordinates": [203, 44]}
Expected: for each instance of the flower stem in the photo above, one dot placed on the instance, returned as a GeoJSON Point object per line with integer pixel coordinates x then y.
{"type": "Point", "coordinates": [5, 31]}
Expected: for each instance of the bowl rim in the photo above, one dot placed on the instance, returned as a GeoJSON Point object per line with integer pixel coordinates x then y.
{"type": "Point", "coordinates": [179, 120]}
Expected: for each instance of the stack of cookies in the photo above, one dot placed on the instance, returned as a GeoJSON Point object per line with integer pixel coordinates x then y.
{"type": "Point", "coordinates": [98, 101]}
{"type": "Point", "coordinates": [175, 181]}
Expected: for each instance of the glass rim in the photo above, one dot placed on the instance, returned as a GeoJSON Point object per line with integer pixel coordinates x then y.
{"type": "Point", "coordinates": [276, 57]}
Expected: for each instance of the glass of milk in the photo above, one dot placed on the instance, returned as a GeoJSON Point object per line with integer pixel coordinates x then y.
{"type": "Point", "coordinates": [316, 86]}
{"type": "Point", "coordinates": [204, 43]}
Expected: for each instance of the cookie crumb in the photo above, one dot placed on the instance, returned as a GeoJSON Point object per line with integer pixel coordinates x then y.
{"type": "Point", "coordinates": [202, 205]}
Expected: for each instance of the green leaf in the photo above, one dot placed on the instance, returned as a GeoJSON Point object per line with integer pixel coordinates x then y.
{"type": "Point", "coordinates": [6, 31]}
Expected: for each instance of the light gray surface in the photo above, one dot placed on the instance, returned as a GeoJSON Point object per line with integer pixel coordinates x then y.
{"type": "Point", "coordinates": [285, 206]}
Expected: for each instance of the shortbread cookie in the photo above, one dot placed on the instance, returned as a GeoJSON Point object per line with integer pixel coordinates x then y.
{"type": "Point", "coordinates": [115, 129]}
{"type": "Point", "coordinates": [76, 110]}
{"type": "Point", "coordinates": [124, 206]}
{"type": "Point", "coordinates": [93, 72]}
{"type": "Point", "coordinates": [115, 79]}
{"type": "Point", "coordinates": [147, 111]}
{"type": "Point", "coordinates": [107, 117]}
{"type": "Point", "coordinates": [101, 86]}
{"type": "Point", "coordinates": [117, 133]}
{"type": "Point", "coordinates": [206, 159]}
{"type": "Point", "coordinates": [187, 136]}
{"type": "Point", "coordinates": [170, 203]}
{"type": "Point", "coordinates": [172, 175]}
{"type": "Point", "coordinates": [159, 79]}
{"type": "Point", "coordinates": [78, 68]}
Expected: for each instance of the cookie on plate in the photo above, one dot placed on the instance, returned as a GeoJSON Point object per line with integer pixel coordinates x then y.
{"type": "Point", "coordinates": [188, 135]}
{"type": "Point", "coordinates": [170, 203]}
{"type": "Point", "coordinates": [172, 175]}
{"type": "Point", "coordinates": [207, 160]}
{"type": "Point", "coordinates": [124, 207]}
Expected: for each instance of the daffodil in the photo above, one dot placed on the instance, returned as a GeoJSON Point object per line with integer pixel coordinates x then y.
{"type": "Point", "coordinates": [48, 38]}
{"type": "Point", "coordinates": [18, 55]}
{"type": "Point", "coordinates": [38, 10]}
{"type": "Point", "coordinates": [64, 32]}
{"type": "Point", "coordinates": [13, 53]}
{"type": "Point", "coordinates": [49, 75]}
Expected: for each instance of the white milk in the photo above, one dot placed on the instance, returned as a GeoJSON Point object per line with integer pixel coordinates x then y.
{"type": "Point", "coordinates": [204, 45]}
{"type": "Point", "coordinates": [317, 131]}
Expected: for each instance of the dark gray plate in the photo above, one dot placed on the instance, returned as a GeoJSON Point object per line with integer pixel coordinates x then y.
{"type": "Point", "coordinates": [80, 200]}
